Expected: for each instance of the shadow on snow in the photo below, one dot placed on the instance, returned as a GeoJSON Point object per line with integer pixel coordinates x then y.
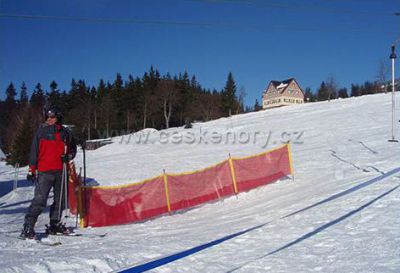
{"type": "Point", "coordinates": [171, 258]}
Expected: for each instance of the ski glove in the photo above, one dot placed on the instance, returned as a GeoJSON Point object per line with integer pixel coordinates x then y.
{"type": "Point", "coordinates": [31, 176]}
{"type": "Point", "coordinates": [64, 158]}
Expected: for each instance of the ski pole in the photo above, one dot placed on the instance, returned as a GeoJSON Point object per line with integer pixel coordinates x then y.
{"type": "Point", "coordinates": [61, 195]}
{"type": "Point", "coordinates": [63, 184]}
{"type": "Point", "coordinates": [66, 189]}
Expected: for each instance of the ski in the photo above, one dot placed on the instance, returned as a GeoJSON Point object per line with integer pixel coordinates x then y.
{"type": "Point", "coordinates": [88, 235]}
{"type": "Point", "coordinates": [43, 241]}
{"type": "Point", "coordinates": [73, 234]}
{"type": "Point", "coordinates": [62, 230]}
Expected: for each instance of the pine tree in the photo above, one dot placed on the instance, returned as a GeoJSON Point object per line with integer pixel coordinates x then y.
{"type": "Point", "coordinates": [79, 115]}
{"type": "Point", "coordinates": [54, 97]}
{"type": "Point", "coordinates": [343, 93]}
{"type": "Point", "coordinates": [117, 95]}
{"type": "Point", "coordinates": [10, 103]}
{"type": "Point", "coordinates": [23, 95]}
{"type": "Point", "coordinates": [150, 81]}
{"type": "Point", "coordinates": [229, 95]}
{"type": "Point", "coordinates": [105, 108]}
{"type": "Point", "coordinates": [309, 96]}
{"type": "Point", "coordinates": [11, 93]}
{"type": "Point", "coordinates": [38, 98]}
{"type": "Point", "coordinates": [355, 90]}
{"type": "Point", "coordinates": [257, 106]}
{"type": "Point", "coordinates": [131, 100]}
{"type": "Point", "coordinates": [9, 116]}
{"type": "Point", "coordinates": [323, 92]}
{"type": "Point", "coordinates": [20, 146]}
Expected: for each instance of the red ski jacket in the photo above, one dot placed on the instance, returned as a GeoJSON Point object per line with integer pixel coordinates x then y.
{"type": "Point", "coordinates": [49, 144]}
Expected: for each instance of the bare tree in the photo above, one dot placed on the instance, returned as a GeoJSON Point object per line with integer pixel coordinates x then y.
{"type": "Point", "coordinates": [382, 74]}
{"type": "Point", "coordinates": [332, 87]}
{"type": "Point", "coordinates": [167, 94]}
{"type": "Point", "coordinates": [242, 95]}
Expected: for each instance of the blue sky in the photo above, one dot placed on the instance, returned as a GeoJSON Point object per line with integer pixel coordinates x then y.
{"type": "Point", "coordinates": [257, 41]}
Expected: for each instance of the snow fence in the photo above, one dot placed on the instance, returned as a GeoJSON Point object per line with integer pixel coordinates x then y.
{"type": "Point", "coordinates": [169, 192]}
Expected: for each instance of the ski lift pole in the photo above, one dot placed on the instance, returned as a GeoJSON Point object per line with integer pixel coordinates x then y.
{"type": "Point", "coordinates": [393, 57]}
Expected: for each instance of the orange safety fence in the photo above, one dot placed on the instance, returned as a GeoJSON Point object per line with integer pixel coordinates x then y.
{"type": "Point", "coordinates": [258, 170]}
{"type": "Point", "coordinates": [124, 204]}
{"type": "Point", "coordinates": [191, 189]}
{"type": "Point", "coordinates": [167, 193]}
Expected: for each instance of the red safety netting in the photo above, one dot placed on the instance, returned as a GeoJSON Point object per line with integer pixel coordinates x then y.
{"type": "Point", "coordinates": [106, 206]}
{"type": "Point", "coordinates": [191, 189]}
{"type": "Point", "coordinates": [262, 169]}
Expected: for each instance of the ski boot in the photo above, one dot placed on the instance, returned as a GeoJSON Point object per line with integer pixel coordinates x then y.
{"type": "Point", "coordinates": [27, 232]}
{"type": "Point", "coordinates": [57, 228]}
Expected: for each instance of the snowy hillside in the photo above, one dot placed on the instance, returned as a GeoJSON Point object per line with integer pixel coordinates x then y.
{"type": "Point", "coordinates": [340, 214]}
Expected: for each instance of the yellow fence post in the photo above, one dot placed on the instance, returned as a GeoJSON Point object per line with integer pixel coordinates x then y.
{"type": "Point", "coordinates": [166, 191]}
{"type": "Point", "coordinates": [80, 207]}
{"type": "Point", "coordinates": [233, 174]}
{"type": "Point", "coordinates": [290, 159]}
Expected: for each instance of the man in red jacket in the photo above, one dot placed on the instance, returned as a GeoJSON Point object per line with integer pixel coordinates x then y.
{"type": "Point", "coordinates": [52, 146]}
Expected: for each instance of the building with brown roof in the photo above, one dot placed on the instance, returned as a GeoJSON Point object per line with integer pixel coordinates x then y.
{"type": "Point", "coordinates": [282, 93]}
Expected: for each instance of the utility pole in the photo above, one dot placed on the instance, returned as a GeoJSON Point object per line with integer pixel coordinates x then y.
{"type": "Point", "coordinates": [393, 57]}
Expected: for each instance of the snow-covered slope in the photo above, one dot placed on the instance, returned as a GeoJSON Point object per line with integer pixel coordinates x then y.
{"type": "Point", "coordinates": [340, 214]}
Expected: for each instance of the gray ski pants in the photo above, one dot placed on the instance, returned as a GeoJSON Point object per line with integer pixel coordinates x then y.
{"type": "Point", "coordinates": [46, 181]}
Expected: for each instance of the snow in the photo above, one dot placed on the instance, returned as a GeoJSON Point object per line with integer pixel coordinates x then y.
{"type": "Point", "coordinates": [281, 85]}
{"type": "Point", "coordinates": [2, 155]}
{"type": "Point", "coordinates": [339, 214]}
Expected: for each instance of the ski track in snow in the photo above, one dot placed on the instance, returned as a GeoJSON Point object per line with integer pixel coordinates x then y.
{"type": "Point", "coordinates": [339, 214]}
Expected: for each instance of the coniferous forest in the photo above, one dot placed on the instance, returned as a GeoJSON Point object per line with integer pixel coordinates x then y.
{"type": "Point", "coordinates": [112, 108]}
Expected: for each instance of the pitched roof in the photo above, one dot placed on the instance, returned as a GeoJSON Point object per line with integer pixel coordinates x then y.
{"type": "Point", "coordinates": [281, 86]}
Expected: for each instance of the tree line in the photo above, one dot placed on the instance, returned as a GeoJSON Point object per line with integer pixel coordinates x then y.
{"type": "Point", "coordinates": [113, 108]}
{"type": "Point", "coordinates": [329, 89]}
{"type": "Point", "coordinates": [125, 106]}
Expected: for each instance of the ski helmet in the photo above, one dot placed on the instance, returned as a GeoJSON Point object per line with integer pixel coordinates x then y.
{"type": "Point", "coordinates": [53, 111]}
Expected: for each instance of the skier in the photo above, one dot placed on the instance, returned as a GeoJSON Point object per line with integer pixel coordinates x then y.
{"type": "Point", "coordinates": [52, 146]}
